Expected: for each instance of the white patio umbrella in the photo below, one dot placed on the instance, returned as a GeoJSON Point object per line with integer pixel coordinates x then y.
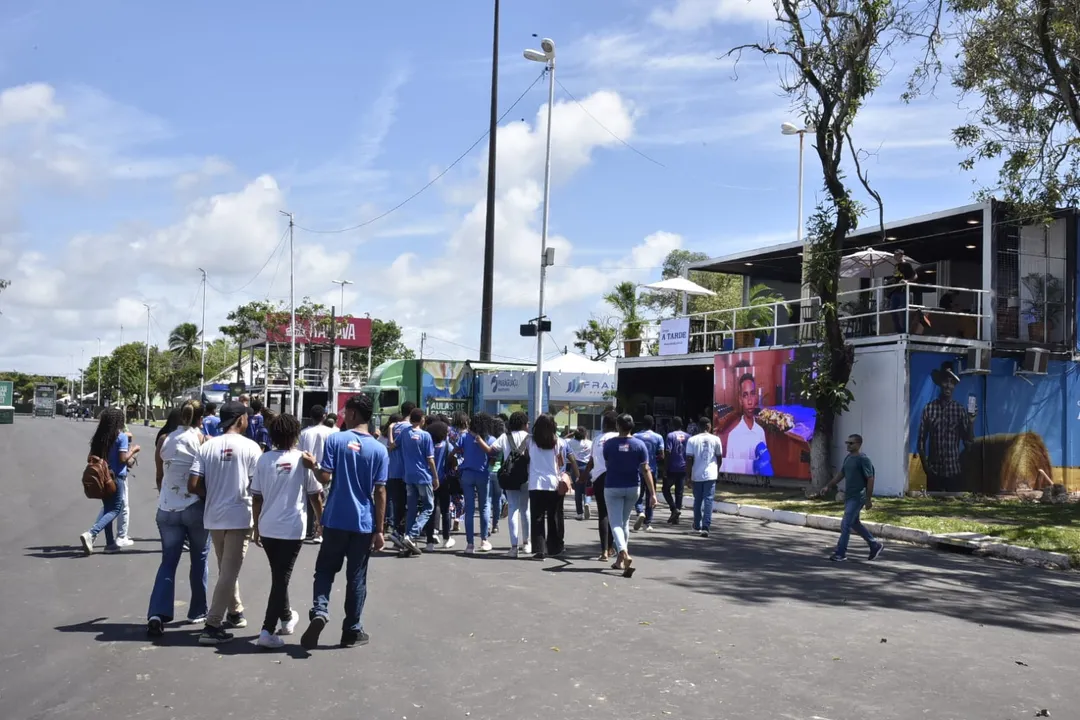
{"type": "Point", "coordinates": [870, 263]}
{"type": "Point", "coordinates": [680, 285]}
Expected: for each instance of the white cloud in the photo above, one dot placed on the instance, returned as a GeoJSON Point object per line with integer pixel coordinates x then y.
{"type": "Point", "coordinates": [32, 103]}
{"type": "Point", "coordinates": [699, 14]}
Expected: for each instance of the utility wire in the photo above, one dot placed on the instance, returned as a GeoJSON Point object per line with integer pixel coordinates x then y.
{"type": "Point", "coordinates": [256, 275]}
{"type": "Point", "coordinates": [431, 182]}
{"type": "Point", "coordinates": [605, 127]}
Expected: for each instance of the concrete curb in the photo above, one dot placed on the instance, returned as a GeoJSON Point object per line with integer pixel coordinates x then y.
{"type": "Point", "coordinates": [981, 546]}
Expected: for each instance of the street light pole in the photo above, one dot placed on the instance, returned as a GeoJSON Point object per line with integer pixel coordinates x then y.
{"type": "Point", "coordinates": [792, 129]}
{"type": "Point", "coordinates": [146, 396]}
{"type": "Point", "coordinates": [342, 283]}
{"type": "Point", "coordinates": [97, 401]}
{"type": "Point", "coordinates": [368, 378]}
{"type": "Point", "coordinates": [548, 57]}
{"type": "Point", "coordinates": [202, 341]}
{"type": "Point", "coordinates": [119, 385]}
{"type": "Point", "coordinates": [292, 320]}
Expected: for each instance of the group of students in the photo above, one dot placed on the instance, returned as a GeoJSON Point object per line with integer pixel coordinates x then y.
{"type": "Point", "coordinates": [218, 486]}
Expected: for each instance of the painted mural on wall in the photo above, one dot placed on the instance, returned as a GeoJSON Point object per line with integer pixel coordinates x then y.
{"type": "Point", "coordinates": [996, 433]}
{"type": "Point", "coordinates": [763, 424]}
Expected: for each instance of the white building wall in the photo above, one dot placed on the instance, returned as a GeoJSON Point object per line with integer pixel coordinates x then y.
{"type": "Point", "coordinates": [879, 413]}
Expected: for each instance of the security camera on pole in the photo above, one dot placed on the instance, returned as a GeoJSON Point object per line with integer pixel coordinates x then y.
{"type": "Point", "coordinates": [547, 257]}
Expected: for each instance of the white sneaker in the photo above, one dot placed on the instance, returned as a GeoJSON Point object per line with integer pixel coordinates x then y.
{"type": "Point", "coordinates": [288, 627]}
{"type": "Point", "coordinates": [470, 550]}
{"type": "Point", "coordinates": [512, 552]}
{"type": "Point", "coordinates": [87, 541]}
{"type": "Point", "coordinates": [270, 642]}
{"type": "Point", "coordinates": [410, 545]}
{"type": "Point", "coordinates": [639, 522]}
{"type": "Point", "coordinates": [430, 547]}
{"type": "Point", "coordinates": [317, 540]}
{"type": "Point", "coordinates": [528, 548]}
{"type": "Point", "coordinates": [450, 542]}
{"type": "Point", "coordinates": [588, 511]}
{"type": "Point", "coordinates": [485, 546]}
{"type": "Point", "coordinates": [124, 542]}
{"type": "Point", "coordinates": [648, 528]}
{"type": "Point", "coordinates": [580, 516]}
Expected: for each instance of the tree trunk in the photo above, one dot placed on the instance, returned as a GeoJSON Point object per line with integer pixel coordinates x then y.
{"type": "Point", "coordinates": [821, 468]}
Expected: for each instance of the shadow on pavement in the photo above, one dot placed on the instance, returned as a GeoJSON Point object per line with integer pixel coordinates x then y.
{"type": "Point", "coordinates": [50, 552]}
{"type": "Point", "coordinates": [768, 565]}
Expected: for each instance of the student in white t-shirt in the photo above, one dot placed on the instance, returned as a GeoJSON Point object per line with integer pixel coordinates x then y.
{"type": "Point", "coordinates": [597, 470]}
{"type": "Point", "coordinates": [280, 492]}
{"type": "Point", "coordinates": [221, 474]}
{"type": "Point", "coordinates": [518, 518]}
{"type": "Point", "coordinates": [313, 441]}
{"type": "Point", "coordinates": [702, 469]}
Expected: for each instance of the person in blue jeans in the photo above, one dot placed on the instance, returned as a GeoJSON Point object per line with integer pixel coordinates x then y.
{"type": "Point", "coordinates": [857, 473]}
{"type": "Point", "coordinates": [179, 520]}
{"type": "Point", "coordinates": [654, 444]}
{"type": "Point", "coordinates": [111, 443]}
{"type": "Point", "coordinates": [421, 479]}
{"type": "Point", "coordinates": [474, 449]}
{"type": "Point", "coordinates": [627, 460]}
{"type": "Point", "coordinates": [352, 521]}
{"type": "Point", "coordinates": [703, 453]}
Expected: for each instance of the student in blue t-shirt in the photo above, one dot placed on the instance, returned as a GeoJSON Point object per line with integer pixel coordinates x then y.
{"type": "Point", "coordinates": [352, 520]}
{"type": "Point", "coordinates": [654, 444]}
{"type": "Point", "coordinates": [474, 450]}
{"type": "Point", "coordinates": [395, 485]}
{"type": "Point", "coordinates": [444, 460]}
{"type": "Point", "coordinates": [211, 424]}
{"type": "Point", "coordinates": [421, 477]}
{"type": "Point", "coordinates": [111, 443]}
{"type": "Point", "coordinates": [626, 459]}
{"type": "Point", "coordinates": [675, 477]}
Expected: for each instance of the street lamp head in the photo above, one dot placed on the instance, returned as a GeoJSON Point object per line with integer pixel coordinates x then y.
{"type": "Point", "coordinates": [790, 129]}
{"type": "Point", "coordinates": [535, 56]}
{"type": "Point", "coordinates": [548, 46]}
{"type": "Point", "coordinates": [546, 55]}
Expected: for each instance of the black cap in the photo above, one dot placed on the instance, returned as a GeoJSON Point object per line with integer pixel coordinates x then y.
{"type": "Point", "coordinates": [231, 412]}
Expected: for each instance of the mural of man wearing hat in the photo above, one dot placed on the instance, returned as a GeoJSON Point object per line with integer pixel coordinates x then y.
{"type": "Point", "coordinates": [944, 426]}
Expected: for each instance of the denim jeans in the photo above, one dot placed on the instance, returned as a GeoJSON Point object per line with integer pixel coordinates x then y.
{"type": "Point", "coordinates": [354, 549]}
{"type": "Point", "coordinates": [420, 501]}
{"type": "Point", "coordinates": [475, 485]}
{"type": "Point", "coordinates": [852, 508]}
{"type": "Point", "coordinates": [125, 511]}
{"type": "Point", "coordinates": [704, 492]}
{"type": "Point", "coordinates": [110, 510]}
{"type": "Point", "coordinates": [620, 501]}
{"type": "Point", "coordinates": [580, 498]}
{"type": "Point", "coordinates": [397, 499]}
{"type": "Point", "coordinates": [642, 505]}
{"type": "Point", "coordinates": [175, 528]}
{"type": "Point", "coordinates": [495, 499]}
{"type": "Point", "coordinates": [440, 514]}
{"type": "Point", "coordinates": [519, 519]}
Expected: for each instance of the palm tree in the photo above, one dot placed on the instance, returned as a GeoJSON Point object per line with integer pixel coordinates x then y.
{"type": "Point", "coordinates": [184, 340]}
{"type": "Point", "coordinates": [623, 297]}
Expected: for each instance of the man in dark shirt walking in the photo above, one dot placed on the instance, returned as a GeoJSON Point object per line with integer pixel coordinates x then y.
{"type": "Point", "coordinates": [858, 475]}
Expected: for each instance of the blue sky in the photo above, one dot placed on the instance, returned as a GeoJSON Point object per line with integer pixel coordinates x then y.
{"type": "Point", "coordinates": [139, 141]}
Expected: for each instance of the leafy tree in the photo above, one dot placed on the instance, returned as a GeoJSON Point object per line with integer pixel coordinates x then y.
{"type": "Point", "coordinates": [1023, 58]}
{"type": "Point", "coordinates": [184, 341]}
{"type": "Point", "coordinates": [600, 334]}
{"type": "Point", "coordinates": [386, 345]}
{"type": "Point", "coordinates": [4, 285]}
{"type": "Point", "coordinates": [835, 54]}
{"type": "Point", "coordinates": [728, 288]}
{"type": "Point", "coordinates": [250, 322]}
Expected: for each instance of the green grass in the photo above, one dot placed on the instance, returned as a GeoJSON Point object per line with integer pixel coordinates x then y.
{"type": "Point", "coordinates": [1018, 522]}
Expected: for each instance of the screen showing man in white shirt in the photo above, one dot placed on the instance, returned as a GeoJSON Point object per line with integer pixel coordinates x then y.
{"type": "Point", "coordinates": [747, 436]}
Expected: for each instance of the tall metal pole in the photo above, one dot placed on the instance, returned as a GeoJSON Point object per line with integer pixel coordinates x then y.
{"type": "Point", "coordinates": [368, 378]}
{"type": "Point", "coordinates": [487, 294]}
{"type": "Point", "coordinates": [292, 321]}
{"type": "Point", "coordinates": [119, 386]}
{"type": "Point", "coordinates": [802, 143]}
{"type": "Point", "coordinates": [146, 397]}
{"type": "Point", "coordinates": [539, 379]}
{"type": "Point", "coordinates": [202, 340]}
{"type": "Point", "coordinates": [97, 401]}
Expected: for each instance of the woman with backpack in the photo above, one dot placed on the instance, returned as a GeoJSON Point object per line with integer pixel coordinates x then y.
{"type": "Point", "coordinates": [515, 463]}
{"type": "Point", "coordinates": [111, 444]}
{"type": "Point", "coordinates": [180, 521]}
{"type": "Point", "coordinates": [549, 463]}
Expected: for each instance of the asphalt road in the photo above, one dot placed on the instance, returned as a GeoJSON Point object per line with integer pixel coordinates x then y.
{"type": "Point", "coordinates": [751, 623]}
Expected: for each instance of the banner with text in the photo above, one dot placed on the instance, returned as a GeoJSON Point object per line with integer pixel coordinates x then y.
{"type": "Point", "coordinates": [675, 336]}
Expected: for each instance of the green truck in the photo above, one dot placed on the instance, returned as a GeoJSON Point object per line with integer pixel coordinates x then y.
{"type": "Point", "coordinates": [7, 402]}
{"type": "Point", "coordinates": [437, 386]}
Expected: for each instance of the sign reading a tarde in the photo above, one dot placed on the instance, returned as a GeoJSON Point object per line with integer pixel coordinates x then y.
{"type": "Point", "coordinates": [351, 333]}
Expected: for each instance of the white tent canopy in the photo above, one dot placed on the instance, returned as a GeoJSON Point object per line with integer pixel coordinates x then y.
{"type": "Point", "coordinates": [869, 263]}
{"type": "Point", "coordinates": [679, 284]}
{"type": "Point", "coordinates": [575, 363]}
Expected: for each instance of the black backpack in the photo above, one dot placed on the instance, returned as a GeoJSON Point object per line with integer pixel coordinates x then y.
{"type": "Point", "coordinates": [515, 469]}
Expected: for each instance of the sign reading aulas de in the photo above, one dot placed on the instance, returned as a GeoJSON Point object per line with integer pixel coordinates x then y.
{"type": "Point", "coordinates": [7, 393]}
{"type": "Point", "coordinates": [675, 336]}
{"type": "Point", "coordinates": [351, 333]}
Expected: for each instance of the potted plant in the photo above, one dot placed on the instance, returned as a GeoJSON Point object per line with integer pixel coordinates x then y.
{"type": "Point", "coordinates": [757, 315]}
{"type": "Point", "coordinates": [623, 297]}
{"type": "Point", "coordinates": [1042, 309]}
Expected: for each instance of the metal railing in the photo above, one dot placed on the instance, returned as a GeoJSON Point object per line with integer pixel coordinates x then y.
{"type": "Point", "coordinates": [863, 313]}
{"type": "Point", "coordinates": [316, 377]}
